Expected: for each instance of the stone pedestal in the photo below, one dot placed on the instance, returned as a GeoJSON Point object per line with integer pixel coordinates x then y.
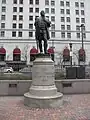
{"type": "Point", "coordinates": [43, 92]}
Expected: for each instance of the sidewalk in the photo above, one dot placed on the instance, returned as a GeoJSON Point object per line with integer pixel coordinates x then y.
{"type": "Point", "coordinates": [75, 107]}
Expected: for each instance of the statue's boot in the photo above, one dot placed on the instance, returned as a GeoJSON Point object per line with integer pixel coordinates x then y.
{"type": "Point", "coordinates": [45, 51]}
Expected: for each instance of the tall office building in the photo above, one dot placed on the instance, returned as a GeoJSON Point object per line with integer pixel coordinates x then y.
{"type": "Point", "coordinates": [17, 19]}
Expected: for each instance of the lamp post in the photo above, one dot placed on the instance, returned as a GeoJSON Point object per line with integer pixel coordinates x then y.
{"type": "Point", "coordinates": [70, 44]}
{"type": "Point", "coordinates": [82, 25]}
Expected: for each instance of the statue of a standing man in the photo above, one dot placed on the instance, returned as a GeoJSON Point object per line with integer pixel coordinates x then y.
{"type": "Point", "coordinates": [42, 31]}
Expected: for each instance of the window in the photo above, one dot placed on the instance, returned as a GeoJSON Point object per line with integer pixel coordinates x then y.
{"type": "Point", "coordinates": [52, 10]}
{"type": "Point", "coordinates": [20, 25]}
{"type": "Point", "coordinates": [53, 26]}
{"type": "Point", "coordinates": [20, 9]}
{"type": "Point", "coordinates": [67, 11]}
{"type": "Point", "coordinates": [53, 34]}
{"type": "Point", "coordinates": [3, 1]}
{"type": "Point", "coordinates": [82, 20]}
{"type": "Point", "coordinates": [37, 2]}
{"type": "Point", "coordinates": [62, 34]}
{"type": "Point", "coordinates": [62, 27]}
{"type": "Point", "coordinates": [14, 34]}
{"type": "Point", "coordinates": [31, 2]}
{"type": "Point", "coordinates": [77, 12]}
{"type": "Point", "coordinates": [14, 9]}
{"type": "Point", "coordinates": [67, 4]}
{"type": "Point", "coordinates": [14, 17]}
{"type": "Point", "coordinates": [62, 19]}
{"type": "Point", "coordinates": [3, 9]}
{"type": "Point", "coordinates": [68, 19]}
{"type": "Point", "coordinates": [52, 2]}
{"type": "Point", "coordinates": [62, 11]}
{"type": "Point", "coordinates": [78, 27]}
{"type": "Point", "coordinates": [62, 3]}
{"type": "Point", "coordinates": [82, 12]}
{"type": "Point", "coordinates": [30, 17]}
{"type": "Point", "coordinates": [31, 10]}
{"type": "Point", "coordinates": [68, 27]}
{"type": "Point", "coordinates": [20, 1]}
{"type": "Point", "coordinates": [19, 34]}
{"type": "Point", "coordinates": [84, 35]}
{"type": "Point", "coordinates": [30, 26]}
{"type": "Point", "coordinates": [37, 10]}
{"type": "Point", "coordinates": [14, 25]}
{"type": "Point", "coordinates": [2, 17]}
{"type": "Point", "coordinates": [53, 18]}
{"type": "Point", "coordinates": [46, 10]}
{"type": "Point", "coordinates": [82, 4]}
{"type": "Point", "coordinates": [20, 17]}
{"type": "Point", "coordinates": [83, 28]}
{"type": "Point", "coordinates": [68, 35]}
{"type": "Point", "coordinates": [2, 33]}
{"type": "Point", "coordinates": [46, 2]}
{"type": "Point", "coordinates": [2, 25]}
{"type": "Point", "coordinates": [30, 34]}
{"type": "Point", "coordinates": [14, 1]}
{"type": "Point", "coordinates": [76, 4]}
{"type": "Point", "coordinates": [77, 20]}
{"type": "Point", "coordinates": [78, 35]}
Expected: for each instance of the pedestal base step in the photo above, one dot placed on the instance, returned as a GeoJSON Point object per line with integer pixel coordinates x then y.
{"type": "Point", "coordinates": [43, 102]}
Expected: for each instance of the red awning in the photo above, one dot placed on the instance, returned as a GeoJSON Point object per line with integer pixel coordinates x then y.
{"type": "Point", "coordinates": [16, 51]}
{"type": "Point", "coordinates": [66, 52]}
{"type": "Point", "coordinates": [81, 51]}
{"type": "Point", "coordinates": [51, 51]}
{"type": "Point", "coordinates": [2, 50]}
{"type": "Point", "coordinates": [33, 51]}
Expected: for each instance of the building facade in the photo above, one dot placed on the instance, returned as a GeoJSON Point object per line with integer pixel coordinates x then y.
{"type": "Point", "coordinates": [17, 19]}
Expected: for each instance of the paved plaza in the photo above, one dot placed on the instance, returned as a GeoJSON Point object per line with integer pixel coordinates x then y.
{"type": "Point", "coordinates": [75, 107]}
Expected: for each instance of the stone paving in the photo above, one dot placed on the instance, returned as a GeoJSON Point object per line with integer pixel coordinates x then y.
{"type": "Point", "coordinates": [75, 107]}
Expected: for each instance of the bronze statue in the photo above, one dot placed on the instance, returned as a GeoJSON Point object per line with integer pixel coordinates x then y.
{"type": "Point", "coordinates": [42, 31]}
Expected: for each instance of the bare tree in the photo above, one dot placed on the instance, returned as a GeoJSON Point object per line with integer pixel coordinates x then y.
{"type": "Point", "coordinates": [60, 58]}
{"type": "Point", "coordinates": [24, 52]}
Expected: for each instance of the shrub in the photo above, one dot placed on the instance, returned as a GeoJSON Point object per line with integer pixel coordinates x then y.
{"type": "Point", "coordinates": [14, 77]}
{"type": "Point", "coordinates": [59, 75]}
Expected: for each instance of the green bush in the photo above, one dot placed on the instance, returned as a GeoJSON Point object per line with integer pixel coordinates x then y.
{"type": "Point", "coordinates": [59, 75]}
{"type": "Point", "coordinates": [10, 76]}
{"type": "Point", "coordinates": [14, 77]}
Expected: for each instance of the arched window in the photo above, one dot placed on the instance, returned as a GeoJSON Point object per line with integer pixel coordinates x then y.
{"type": "Point", "coordinates": [66, 55]}
{"type": "Point", "coordinates": [51, 52]}
{"type": "Point", "coordinates": [82, 55]}
{"type": "Point", "coordinates": [2, 54]}
{"type": "Point", "coordinates": [33, 53]}
{"type": "Point", "coordinates": [16, 54]}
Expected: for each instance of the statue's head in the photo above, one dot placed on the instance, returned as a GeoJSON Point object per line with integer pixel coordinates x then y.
{"type": "Point", "coordinates": [42, 13]}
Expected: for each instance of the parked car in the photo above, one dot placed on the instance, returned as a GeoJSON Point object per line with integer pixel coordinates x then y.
{"type": "Point", "coordinates": [7, 69]}
{"type": "Point", "coordinates": [26, 70]}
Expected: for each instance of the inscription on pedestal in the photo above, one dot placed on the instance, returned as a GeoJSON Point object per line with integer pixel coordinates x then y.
{"type": "Point", "coordinates": [43, 74]}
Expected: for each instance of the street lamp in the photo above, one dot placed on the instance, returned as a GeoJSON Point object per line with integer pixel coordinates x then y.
{"type": "Point", "coordinates": [70, 44]}
{"type": "Point", "coordinates": [82, 25]}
